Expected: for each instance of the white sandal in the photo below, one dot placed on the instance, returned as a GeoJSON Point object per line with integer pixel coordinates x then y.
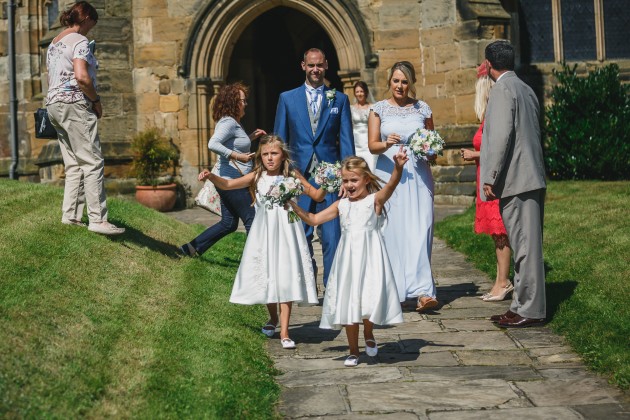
{"type": "Point", "coordinates": [287, 343]}
{"type": "Point", "coordinates": [371, 351]}
{"type": "Point", "coordinates": [351, 361]}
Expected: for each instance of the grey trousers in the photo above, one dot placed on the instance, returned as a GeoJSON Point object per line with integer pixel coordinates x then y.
{"type": "Point", "coordinates": [80, 146]}
{"type": "Point", "coordinates": [523, 218]}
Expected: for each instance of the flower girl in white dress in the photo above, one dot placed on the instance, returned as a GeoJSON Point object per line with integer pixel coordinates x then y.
{"type": "Point", "coordinates": [276, 263]}
{"type": "Point", "coordinates": [361, 286]}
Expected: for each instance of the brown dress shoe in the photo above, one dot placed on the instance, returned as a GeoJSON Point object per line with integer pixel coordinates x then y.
{"type": "Point", "coordinates": [520, 322]}
{"type": "Point", "coordinates": [426, 302]}
{"type": "Point", "coordinates": [508, 315]}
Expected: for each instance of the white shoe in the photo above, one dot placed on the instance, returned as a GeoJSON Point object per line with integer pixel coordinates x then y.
{"type": "Point", "coordinates": [287, 343]}
{"type": "Point", "coordinates": [351, 361]}
{"type": "Point", "coordinates": [371, 351]}
{"type": "Point", "coordinates": [105, 228]}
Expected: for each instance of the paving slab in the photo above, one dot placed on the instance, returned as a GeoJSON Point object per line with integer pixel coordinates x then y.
{"type": "Point", "coordinates": [530, 413]}
{"type": "Point", "coordinates": [341, 376]}
{"type": "Point", "coordinates": [312, 401]}
{"type": "Point", "coordinates": [422, 396]}
{"type": "Point", "coordinates": [580, 391]}
{"type": "Point", "coordinates": [448, 364]}
{"type": "Point", "coordinates": [493, 357]}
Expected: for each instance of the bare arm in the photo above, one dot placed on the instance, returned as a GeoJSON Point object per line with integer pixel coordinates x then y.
{"type": "Point", "coordinates": [468, 154]}
{"type": "Point", "coordinates": [375, 144]}
{"type": "Point", "coordinates": [315, 193]}
{"type": "Point", "coordinates": [388, 189]}
{"type": "Point", "coordinates": [315, 219]}
{"type": "Point", "coordinates": [80, 67]}
{"type": "Point", "coordinates": [227, 184]}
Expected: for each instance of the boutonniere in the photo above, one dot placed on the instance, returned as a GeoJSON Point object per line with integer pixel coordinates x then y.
{"type": "Point", "coordinates": [330, 95]}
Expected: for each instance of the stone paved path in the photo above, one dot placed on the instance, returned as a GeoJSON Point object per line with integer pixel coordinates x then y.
{"type": "Point", "coordinates": [451, 363]}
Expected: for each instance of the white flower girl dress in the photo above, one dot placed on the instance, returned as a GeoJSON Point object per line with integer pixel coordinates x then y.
{"type": "Point", "coordinates": [276, 263]}
{"type": "Point", "coordinates": [361, 283]}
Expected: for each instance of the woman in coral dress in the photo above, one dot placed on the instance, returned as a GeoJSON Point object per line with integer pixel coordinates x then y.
{"type": "Point", "coordinates": [487, 217]}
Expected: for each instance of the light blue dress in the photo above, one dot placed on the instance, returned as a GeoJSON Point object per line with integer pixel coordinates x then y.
{"type": "Point", "coordinates": [408, 229]}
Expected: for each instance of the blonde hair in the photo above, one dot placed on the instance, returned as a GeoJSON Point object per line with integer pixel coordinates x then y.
{"type": "Point", "coordinates": [259, 167]}
{"type": "Point", "coordinates": [482, 93]}
{"type": "Point", "coordinates": [410, 73]}
{"type": "Point", "coordinates": [359, 165]}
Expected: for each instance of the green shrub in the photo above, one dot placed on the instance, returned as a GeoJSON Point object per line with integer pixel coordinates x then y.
{"type": "Point", "coordinates": [153, 155]}
{"type": "Point", "coordinates": [587, 129]}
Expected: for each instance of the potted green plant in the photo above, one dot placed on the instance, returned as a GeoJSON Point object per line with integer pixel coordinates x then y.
{"type": "Point", "coordinates": [153, 155]}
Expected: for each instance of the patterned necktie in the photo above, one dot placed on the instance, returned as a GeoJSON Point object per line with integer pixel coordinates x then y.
{"type": "Point", "coordinates": [313, 94]}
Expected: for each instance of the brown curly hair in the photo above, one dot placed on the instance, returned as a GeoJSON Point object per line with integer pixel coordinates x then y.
{"type": "Point", "coordinates": [227, 101]}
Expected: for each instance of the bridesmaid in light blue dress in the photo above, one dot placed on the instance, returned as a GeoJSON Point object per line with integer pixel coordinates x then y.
{"type": "Point", "coordinates": [408, 230]}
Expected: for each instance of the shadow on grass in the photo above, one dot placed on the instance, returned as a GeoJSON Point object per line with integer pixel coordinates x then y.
{"type": "Point", "coordinates": [139, 238]}
{"type": "Point", "coordinates": [556, 293]}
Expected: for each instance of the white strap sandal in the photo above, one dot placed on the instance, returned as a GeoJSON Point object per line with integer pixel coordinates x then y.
{"type": "Point", "coordinates": [371, 351]}
{"type": "Point", "coordinates": [351, 361]}
{"type": "Point", "coordinates": [287, 343]}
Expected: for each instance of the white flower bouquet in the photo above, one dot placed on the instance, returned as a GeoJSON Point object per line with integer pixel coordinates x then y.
{"type": "Point", "coordinates": [283, 190]}
{"type": "Point", "coordinates": [330, 95]}
{"type": "Point", "coordinates": [425, 143]}
{"type": "Point", "coordinates": [328, 176]}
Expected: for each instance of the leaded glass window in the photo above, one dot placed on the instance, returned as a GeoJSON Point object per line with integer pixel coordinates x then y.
{"type": "Point", "coordinates": [616, 28]}
{"type": "Point", "coordinates": [535, 22]}
{"type": "Point", "coordinates": [578, 30]}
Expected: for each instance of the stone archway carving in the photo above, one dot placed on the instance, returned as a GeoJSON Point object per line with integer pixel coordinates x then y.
{"type": "Point", "coordinates": [211, 39]}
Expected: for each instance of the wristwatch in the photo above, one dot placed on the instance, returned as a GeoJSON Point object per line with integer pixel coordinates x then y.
{"type": "Point", "coordinates": [98, 99]}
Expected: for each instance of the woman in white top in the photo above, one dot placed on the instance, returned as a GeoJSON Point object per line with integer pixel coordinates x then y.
{"type": "Point", "coordinates": [360, 110]}
{"type": "Point", "coordinates": [74, 108]}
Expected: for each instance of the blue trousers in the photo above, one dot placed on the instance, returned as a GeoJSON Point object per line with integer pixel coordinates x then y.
{"type": "Point", "coordinates": [330, 232]}
{"type": "Point", "coordinates": [235, 204]}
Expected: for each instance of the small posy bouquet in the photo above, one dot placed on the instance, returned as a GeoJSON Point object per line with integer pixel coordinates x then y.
{"type": "Point", "coordinates": [328, 176]}
{"type": "Point", "coordinates": [424, 143]}
{"type": "Point", "coordinates": [283, 190]}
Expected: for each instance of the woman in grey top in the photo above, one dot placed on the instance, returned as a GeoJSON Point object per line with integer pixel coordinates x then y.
{"type": "Point", "coordinates": [232, 144]}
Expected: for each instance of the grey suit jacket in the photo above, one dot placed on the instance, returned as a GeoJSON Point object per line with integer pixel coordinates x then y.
{"type": "Point", "coordinates": [511, 152]}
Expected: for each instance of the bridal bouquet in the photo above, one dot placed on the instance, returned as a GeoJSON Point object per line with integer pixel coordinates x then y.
{"type": "Point", "coordinates": [328, 176]}
{"type": "Point", "coordinates": [425, 143]}
{"type": "Point", "coordinates": [283, 190]}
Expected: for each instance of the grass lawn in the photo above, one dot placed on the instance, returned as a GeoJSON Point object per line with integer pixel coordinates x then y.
{"type": "Point", "coordinates": [92, 326]}
{"type": "Point", "coordinates": [587, 258]}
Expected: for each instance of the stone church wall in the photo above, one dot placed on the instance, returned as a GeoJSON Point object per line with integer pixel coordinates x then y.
{"type": "Point", "coordinates": [143, 45]}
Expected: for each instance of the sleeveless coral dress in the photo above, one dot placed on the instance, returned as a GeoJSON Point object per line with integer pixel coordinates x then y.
{"type": "Point", "coordinates": [487, 217]}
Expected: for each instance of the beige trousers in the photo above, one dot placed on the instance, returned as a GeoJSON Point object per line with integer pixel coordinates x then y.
{"type": "Point", "coordinates": [77, 130]}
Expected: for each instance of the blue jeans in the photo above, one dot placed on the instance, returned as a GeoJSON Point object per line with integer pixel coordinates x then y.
{"type": "Point", "coordinates": [235, 204]}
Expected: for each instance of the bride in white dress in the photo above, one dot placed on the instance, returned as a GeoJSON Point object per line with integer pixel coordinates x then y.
{"type": "Point", "coordinates": [361, 286]}
{"type": "Point", "coordinates": [276, 263]}
{"type": "Point", "coordinates": [360, 111]}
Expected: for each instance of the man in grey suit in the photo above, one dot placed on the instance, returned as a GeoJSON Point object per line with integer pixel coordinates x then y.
{"type": "Point", "coordinates": [512, 170]}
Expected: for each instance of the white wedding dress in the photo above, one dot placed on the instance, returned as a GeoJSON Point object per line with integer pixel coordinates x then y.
{"type": "Point", "coordinates": [361, 283]}
{"type": "Point", "coordinates": [360, 132]}
{"type": "Point", "coordinates": [276, 263]}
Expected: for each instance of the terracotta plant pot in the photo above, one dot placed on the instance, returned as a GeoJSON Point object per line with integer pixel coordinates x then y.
{"type": "Point", "coordinates": [160, 198]}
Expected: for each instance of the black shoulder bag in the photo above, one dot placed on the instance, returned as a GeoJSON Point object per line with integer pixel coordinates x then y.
{"type": "Point", "coordinates": [43, 127]}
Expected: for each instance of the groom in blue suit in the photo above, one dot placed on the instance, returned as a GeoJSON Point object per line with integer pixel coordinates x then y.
{"type": "Point", "coordinates": [316, 124]}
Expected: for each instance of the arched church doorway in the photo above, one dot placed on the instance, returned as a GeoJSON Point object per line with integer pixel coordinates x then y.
{"type": "Point", "coordinates": [267, 58]}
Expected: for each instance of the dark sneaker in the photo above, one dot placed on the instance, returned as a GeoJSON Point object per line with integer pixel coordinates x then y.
{"type": "Point", "coordinates": [187, 250]}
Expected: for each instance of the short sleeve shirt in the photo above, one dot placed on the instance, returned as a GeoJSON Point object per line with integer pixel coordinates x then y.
{"type": "Point", "coordinates": [62, 84]}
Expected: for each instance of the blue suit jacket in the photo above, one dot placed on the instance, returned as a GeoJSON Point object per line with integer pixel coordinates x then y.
{"type": "Point", "coordinates": [333, 139]}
